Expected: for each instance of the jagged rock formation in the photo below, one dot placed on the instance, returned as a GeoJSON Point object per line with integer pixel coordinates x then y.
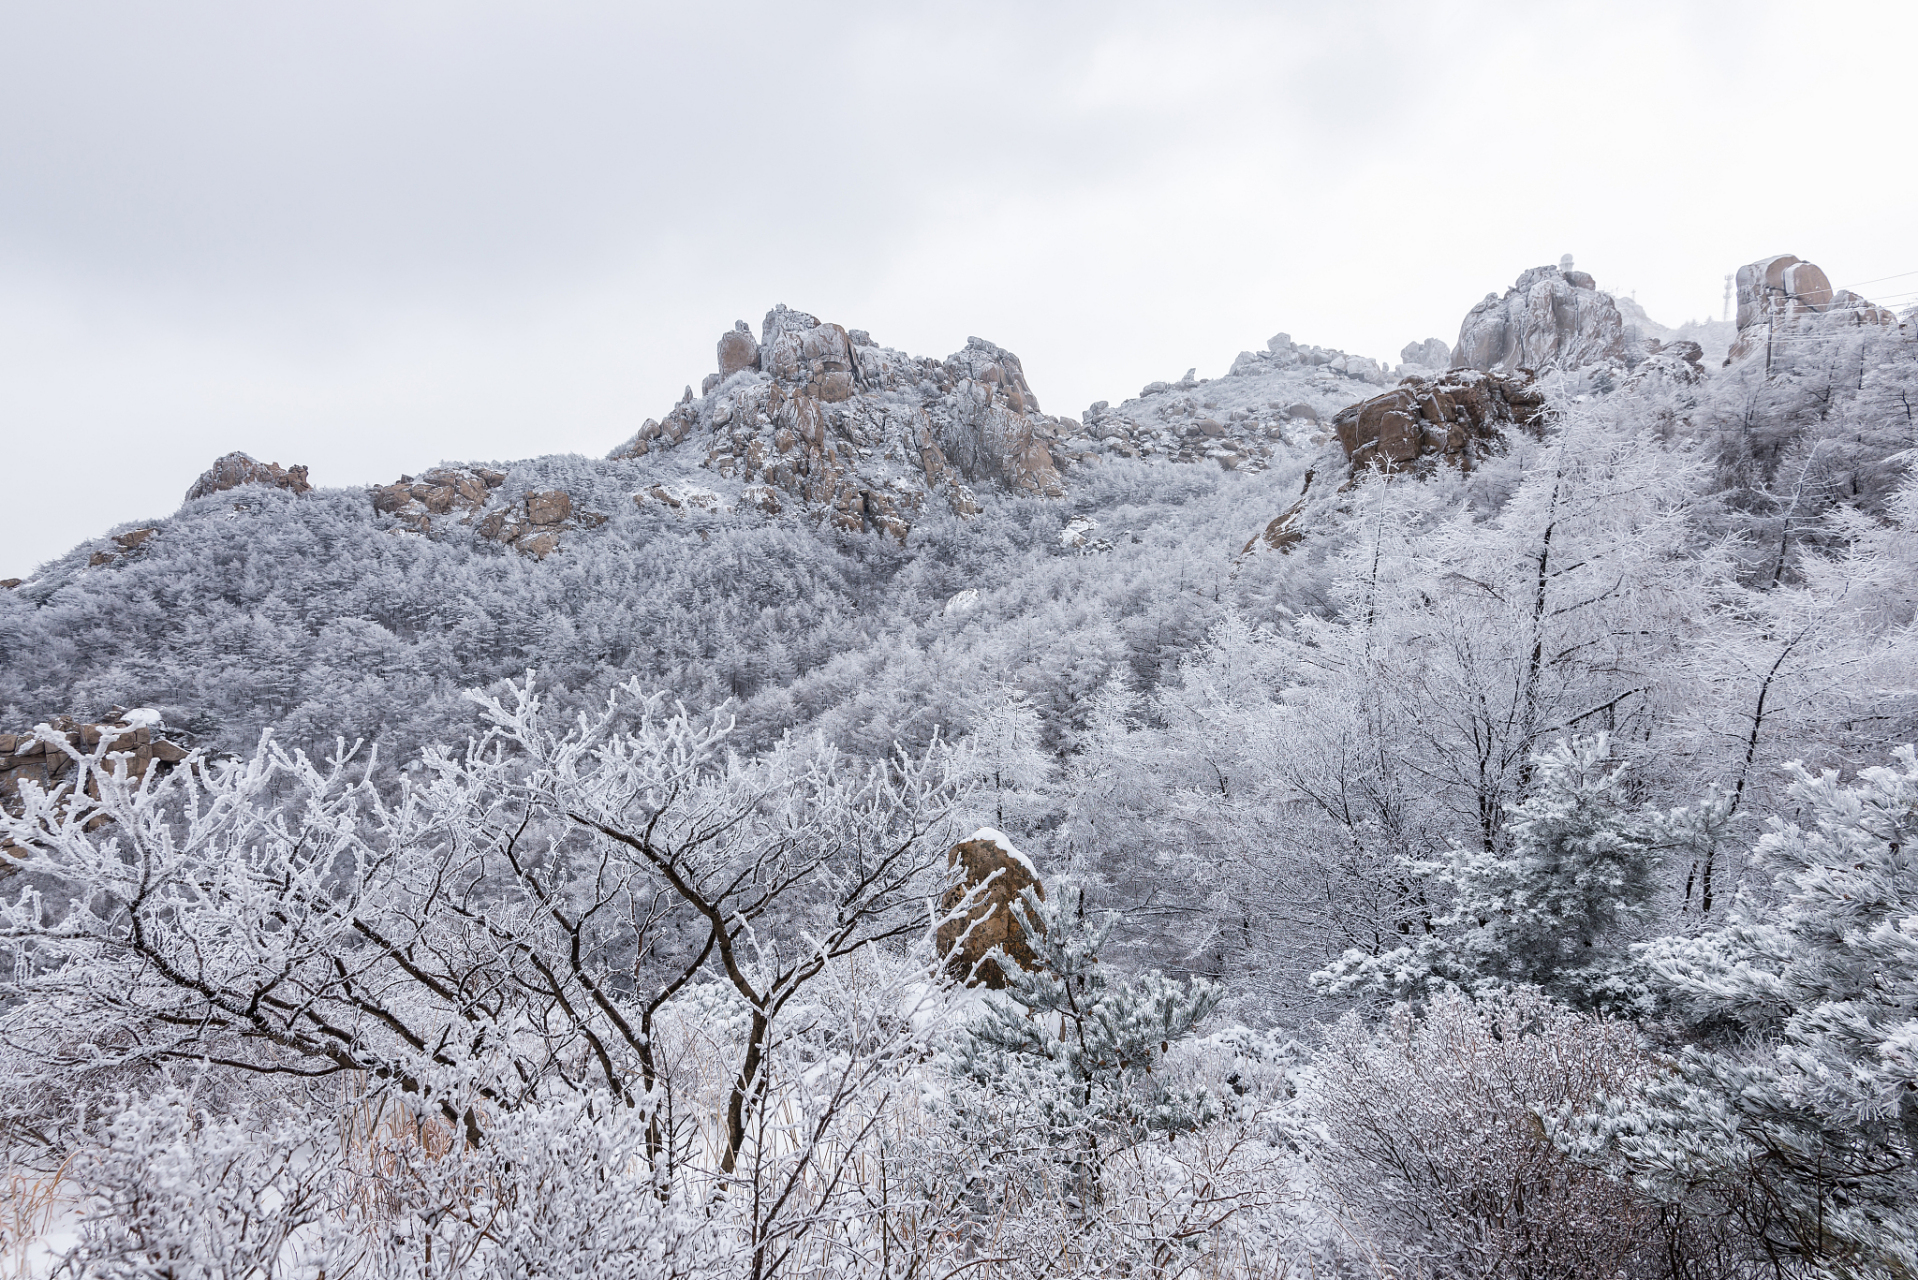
{"type": "Point", "coordinates": [438, 492]}
{"type": "Point", "coordinates": [1679, 361]}
{"type": "Point", "coordinates": [865, 433]}
{"type": "Point", "coordinates": [531, 524]}
{"type": "Point", "coordinates": [1283, 353]}
{"type": "Point", "coordinates": [1783, 292]}
{"type": "Point", "coordinates": [132, 540]}
{"type": "Point", "coordinates": [1713, 337]}
{"type": "Point", "coordinates": [986, 858]}
{"type": "Point", "coordinates": [1551, 318]}
{"type": "Point", "coordinates": [236, 469]}
{"type": "Point", "coordinates": [1455, 420]}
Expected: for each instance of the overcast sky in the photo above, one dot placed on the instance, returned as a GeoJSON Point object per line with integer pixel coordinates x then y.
{"type": "Point", "coordinates": [369, 237]}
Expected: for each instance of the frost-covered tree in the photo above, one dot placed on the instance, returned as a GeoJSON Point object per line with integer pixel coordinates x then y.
{"type": "Point", "coordinates": [1557, 909]}
{"type": "Point", "coordinates": [1007, 754]}
{"type": "Point", "coordinates": [1078, 1044]}
{"type": "Point", "coordinates": [1802, 1099]}
{"type": "Point", "coordinates": [509, 927]}
{"type": "Point", "coordinates": [1426, 1132]}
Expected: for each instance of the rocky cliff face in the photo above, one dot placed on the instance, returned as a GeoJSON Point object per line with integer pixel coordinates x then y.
{"type": "Point", "coordinates": [827, 416]}
{"type": "Point", "coordinates": [1457, 419]}
{"type": "Point", "coordinates": [1551, 318]}
{"type": "Point", "coordinates": [1783, 292]}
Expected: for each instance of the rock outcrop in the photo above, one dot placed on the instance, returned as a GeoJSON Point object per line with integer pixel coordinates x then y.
{"type": "Point", "coordinates": [1432, 354]}
{"type": "Point", "coordinates": [530, 524]}
{"type": "Point", "coordinates": [1714, 337]}
{"type": "Point", "coordinates": [442, 491]}
{"type": "Point", "coordinates": [1551, 318]}
{"type": "Point", "coordinates": [236, 469]}
{"type": "Point", "coordinates": [1784, 292]}
{"type": "Point", "coordinates": [986, 858]}
{"type": "Point", "coordinates": [1457, 419]}
{"type": "Point", "coordinates": [860, 432]}
{"type": "Point", "coordinates": [1679, 362]}
{"type": "Point", "coordinates": [123, 544]}
{"type": "Point", "coordinates": [30, 757]}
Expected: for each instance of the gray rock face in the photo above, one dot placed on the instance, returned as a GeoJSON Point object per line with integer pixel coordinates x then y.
{"type": "Point", "coordinates": [1549, 319]}
{"type": "Point", "coordinates": [1784, 291]}
{"type": "Point", "coordinates": [1432, 353]}
{"type": "Point", "coordinates": [864, 433]}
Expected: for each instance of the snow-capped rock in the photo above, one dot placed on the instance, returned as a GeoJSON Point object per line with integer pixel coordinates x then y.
{"type": "Point", "coordinates": [962, 602]}
{"type": "Point", "coordinates": [863, 433]}
{"type": "Point", "coordinates": [988, 860]}
{"type": "Point", "coordinates": [1078, 531]}
{"type": "Point", "coordinates": [1783, 292]}
{"type": "Point", "coordinates": [1551, 318]}
{"type": "Point", "coordinates": [1455, 420]}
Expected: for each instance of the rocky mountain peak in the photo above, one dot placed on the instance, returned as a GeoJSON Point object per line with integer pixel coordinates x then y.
{"type": "Point", "coordinates": [236, 468]}
{"type": "Point", "coordinates": [1553, 317]}
{"type": "Point", "coordinates": [867, 433]}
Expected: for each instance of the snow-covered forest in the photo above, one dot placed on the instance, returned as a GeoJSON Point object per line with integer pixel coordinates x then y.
{"type": "Point", "coordinates": [1509, 875]}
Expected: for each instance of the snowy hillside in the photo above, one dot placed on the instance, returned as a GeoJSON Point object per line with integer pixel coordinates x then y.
{"type": "Point", "coordinates": [1441, 821]}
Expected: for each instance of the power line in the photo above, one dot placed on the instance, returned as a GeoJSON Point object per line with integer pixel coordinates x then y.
{"type": "Point", "coordinates": [1900, 276]}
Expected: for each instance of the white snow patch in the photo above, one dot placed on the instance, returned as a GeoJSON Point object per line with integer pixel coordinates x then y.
{"type": "Point", "coordinates": [143, 718]}
{"type": "Point", "coordinates": [996, 837]}
{"type": "Point", "coordinates": [963, 602]}
{"type": "Point", "coordinates": [1077, 531]}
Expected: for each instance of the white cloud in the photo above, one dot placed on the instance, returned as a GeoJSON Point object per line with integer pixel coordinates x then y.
{"type": "Point", "coordinates": [367, 237]}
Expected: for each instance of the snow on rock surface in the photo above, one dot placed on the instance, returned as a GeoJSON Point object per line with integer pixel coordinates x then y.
{"type": "Point", "coordinates": [996, 875]}
{"type": "Point", "coordinates": [1783, 292]}
{"type": "Point", "coordinates": [993, 836]}
{"type": "Point", "coordinates": [1271, 400]}
{"type": "Point", "coordinates": [1551, 318]}
{"type": "Point", "coordinates": [864, 433]}
{"type": "Point", "coordinates": [1457, 419]}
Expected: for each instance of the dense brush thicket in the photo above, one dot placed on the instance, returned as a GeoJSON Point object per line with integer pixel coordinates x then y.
{"type": "Point", "coordinates": [1441, 899]}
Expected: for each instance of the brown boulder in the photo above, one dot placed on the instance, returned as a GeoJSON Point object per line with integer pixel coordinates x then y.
{"type": "Point", "coordinates": [737, 350]}
{"type": "Point", "coordinates": [236, 469]}
{"type": "Point", "coordinates": [135, 538]}
{"type": "Point", "coordinates": [553, 506]}
{"type": "Point", "coordinates": [986, 858]}
{"type": "Point", "coordinates": [1456, 419]}
{"type": "Point", "coordinates": [539, 545]}
{"type": "Point", "coordinates": [1784, 291]}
